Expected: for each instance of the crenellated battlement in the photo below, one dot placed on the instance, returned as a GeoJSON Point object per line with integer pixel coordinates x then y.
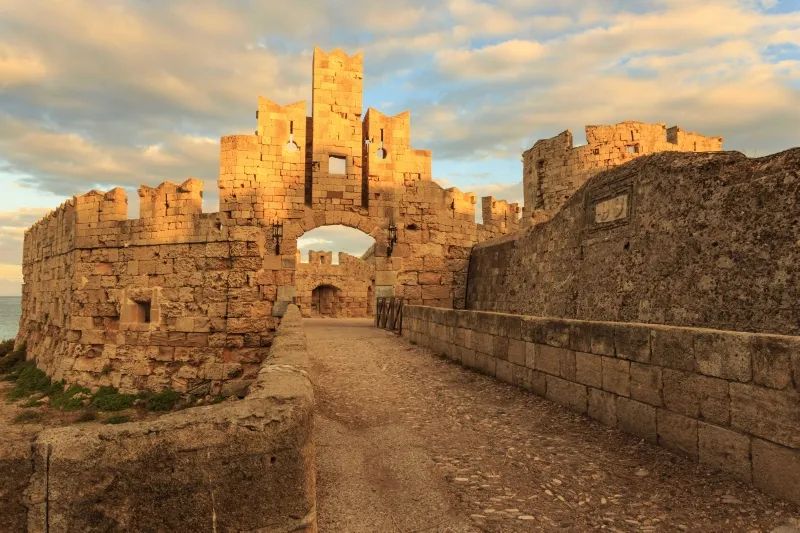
{"type": "Point", "coordinates": [553, 169]}
{"type": "Point", "coordinates": [170, 201]}
{"type": "Point", "coordinates": [186, 299]}
{"type": "Point", "coordinates": [500, 214]}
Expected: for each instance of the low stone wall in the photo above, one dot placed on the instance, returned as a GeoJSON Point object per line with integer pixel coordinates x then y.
{"type": "Point", "coordinates": [236, 466]}
{"type": "Point", "coordinates": [730, 400]}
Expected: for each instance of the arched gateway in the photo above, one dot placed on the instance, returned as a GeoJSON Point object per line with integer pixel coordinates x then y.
{"type": "Point", "coordinates": [216, 283]}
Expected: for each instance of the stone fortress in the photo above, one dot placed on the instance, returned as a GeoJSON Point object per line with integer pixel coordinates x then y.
{"type": "Point", "coordinates": [658, 296]}
{"type": "Point", "coordinates": [184, 299]}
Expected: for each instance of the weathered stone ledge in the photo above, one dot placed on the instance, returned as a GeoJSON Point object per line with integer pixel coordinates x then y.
{"type": "Point", "coordinates": [728, 399]}
{"type": "Point", "coordinates": [235, 466]}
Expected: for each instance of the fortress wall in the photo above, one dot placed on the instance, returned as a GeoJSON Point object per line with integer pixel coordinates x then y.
{"type": "Point", "coordinates": [173, 299]}
{"type": "Point", "coordinates": [553, 169]}
{"type": "Point", "coordinates": [727, 399]}
{"type": "Point", "coordinates": [704, 240]}
{"type": "Point", "coordinates": [185, 470]}
{"type": "Point", "coordinates": [214, 280]}
{"type": "Point", "coordinates": [353, 279]}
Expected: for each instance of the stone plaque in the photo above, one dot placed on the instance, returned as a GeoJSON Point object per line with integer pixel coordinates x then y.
{"type": "Point", "coordinates": [612, 209]}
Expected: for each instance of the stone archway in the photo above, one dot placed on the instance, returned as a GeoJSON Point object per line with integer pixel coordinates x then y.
{"type": "Point", "coordinates": [325, 301]}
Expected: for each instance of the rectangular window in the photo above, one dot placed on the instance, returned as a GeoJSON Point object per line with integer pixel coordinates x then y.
{"type": "Point", "coordinates": [337, 164]}
{"type": "Point", "coordinates": [632, 149]}
{"type": "Point", "coordinates": [142, 315]}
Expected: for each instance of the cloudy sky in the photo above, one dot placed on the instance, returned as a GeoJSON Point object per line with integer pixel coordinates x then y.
{"type": "Point", "coordinates": [98, 94]}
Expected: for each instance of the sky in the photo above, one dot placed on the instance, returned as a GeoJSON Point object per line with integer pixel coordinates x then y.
{"type": "Point", "coordinates": [123, 93]}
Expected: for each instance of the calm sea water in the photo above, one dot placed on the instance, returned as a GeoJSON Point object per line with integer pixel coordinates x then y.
{"type": "Point", "coordinates": [9, 316]}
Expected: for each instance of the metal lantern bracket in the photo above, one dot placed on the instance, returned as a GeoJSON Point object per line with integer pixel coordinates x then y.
{"type": "Point", "coordinates": [392, 239]}
{"type": "Point", "coordinates": [277, 236]}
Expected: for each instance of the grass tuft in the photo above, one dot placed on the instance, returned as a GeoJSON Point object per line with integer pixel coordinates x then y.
{"type": "Point", "coordinates": [27, 417]}
{"type": "Point", "coordinates": [87, 415]}
{"type": "Point", "coordinates": [117, 419]}
{"type": "Point", "coordinates": [161, 401]}
{"type": "Point", "coordinates": [28, 380]}
{"type": "Point", "coordinates": [110, 399]}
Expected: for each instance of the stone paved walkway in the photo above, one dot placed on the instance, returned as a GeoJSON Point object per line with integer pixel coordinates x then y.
{"type": "Point", "coordinates": [408, 441]}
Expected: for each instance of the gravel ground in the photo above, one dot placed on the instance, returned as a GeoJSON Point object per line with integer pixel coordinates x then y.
{"type": "Point", "coordinates": [408, 441]}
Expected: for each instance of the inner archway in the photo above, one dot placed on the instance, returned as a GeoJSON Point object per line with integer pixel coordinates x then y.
{"type": "Point", "coordinates": [335, 272]}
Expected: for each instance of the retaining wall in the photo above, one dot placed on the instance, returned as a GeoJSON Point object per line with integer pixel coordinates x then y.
{"type": "Point", "coordinates": [728, 399]}
{"type": "Point", "coordinates": [236, 466]}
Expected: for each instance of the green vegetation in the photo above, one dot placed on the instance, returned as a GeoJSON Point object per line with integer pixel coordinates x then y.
{"type": "Point", "coordinates": [35, 389]}
{"type": "Point", "coordinates": [10, 358]}
{"type": "Point", "coordinates": [70, 399]}
{"type": "Point", "coordinates": [87, 415]}
{"type": "Point", "coordinates": [117, 419]}
{"type": "Point", "coordinates": [161, 401]}
{"type": "Point", "coordinates": [27, 417]}
{"type": "Point", "coordinates": [110, 399]}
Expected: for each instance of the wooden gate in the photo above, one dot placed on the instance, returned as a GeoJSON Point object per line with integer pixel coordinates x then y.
{"type": "Point", "coordinates": [389, 314]}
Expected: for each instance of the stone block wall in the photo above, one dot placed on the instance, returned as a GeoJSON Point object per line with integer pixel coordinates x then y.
{"type": "Point", "coordinates": [245, 465]}
{"type": "Point", "coordinates": [686, 239]}
{"type": "Point", "coordinates": [184, 299]}
{"type": "Point", "coordinates": [553, 169]}
{"type": "Point", "coordinates": [173, 299]}
{"type": "Point", "coordinates": [728, 399]}
{"type": "Point", "coordinates": [351, 282]}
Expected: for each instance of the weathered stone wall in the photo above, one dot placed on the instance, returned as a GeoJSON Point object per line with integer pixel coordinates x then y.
{"type": "Point", "coordinates": [553, 169]}
{"type": "Point", "coordinates": [240, 465]}
{"type": "Point", "coordinates": [182, 299]}
{"type": "Point", "coordinates": [89, 277]}
{"type": "Point", "coordinates": [352, 278]}
{"type": "Point", "coordinates": [728, 399]}
{"type": "Point", "coordinates": [706, 240]}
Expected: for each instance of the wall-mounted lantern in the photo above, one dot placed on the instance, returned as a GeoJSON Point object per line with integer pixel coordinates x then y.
{"type": "Point", "coordinates": [277, 236]}
{"type": "Point", "coordinates": [392, 239]}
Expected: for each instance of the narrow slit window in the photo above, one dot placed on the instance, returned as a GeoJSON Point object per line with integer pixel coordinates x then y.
{"type": "Point", "coordinates": [142, 312]}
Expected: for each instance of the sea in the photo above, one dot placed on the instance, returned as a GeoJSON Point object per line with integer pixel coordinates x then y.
{"type": "Point", "coordinates": [9, 316]}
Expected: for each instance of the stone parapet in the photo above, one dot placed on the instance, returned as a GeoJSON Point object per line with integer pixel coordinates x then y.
{"type": "Point", "coordinates": [241, 465]}
{"type": "Point", "coordinates": [727, 399]}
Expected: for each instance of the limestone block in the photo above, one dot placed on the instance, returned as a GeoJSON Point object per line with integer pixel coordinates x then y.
{"type": "Point", "coordinates": [548, 359]}
{"type": "Point", "coordinates": [588, 369]}
{"type": "Point", "coordinates": [516, 352]}
{"type": "Point", "coordinates": [569, 394]}
{"type": "Point", "coordinates": [771, 414]}
{"type": "Point", "coordinates": [673, 348]}
{"type": "Point", "coordinates": [772, 360]}
{"type": "Point", "coordinates": [529, 379]}
{"type": "Point", "coordinates": [677, 432]}
{"type": "Point", "coordinates": [632, 342]}
{"type": "Point", "coordinates": [602, 407]}
{"type": "Point", "coordinates": [602, 339]}
{"type": "Point", "coordinates": [724, 449]}
{"type": "Point", "coordinates": [637, 418]}
{"type": "Point", "coordinates": [616, 376]}
{"type": "Point", "coordinates": [776, 469]}
{"type": "Point", "coordinates": [724, 355]}
{"type": "Point", "coordinates": [646, 383]}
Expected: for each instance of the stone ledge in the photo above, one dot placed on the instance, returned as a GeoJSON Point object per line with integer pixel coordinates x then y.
{"type": "Point", "coordinates": [234, 466]}
{"type": "Point", "coordinates": [690, 390]}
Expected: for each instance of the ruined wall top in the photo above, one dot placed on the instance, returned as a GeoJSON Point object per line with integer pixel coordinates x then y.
{"type": "Point", "coordinates": [553, 169]}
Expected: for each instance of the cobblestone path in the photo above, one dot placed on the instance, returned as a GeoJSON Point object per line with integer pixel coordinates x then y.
{"type": "Point", "coordinates": [408, 441]}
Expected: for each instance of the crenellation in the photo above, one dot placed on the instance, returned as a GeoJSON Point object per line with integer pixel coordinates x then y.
{"type": "Point", "coordinates": [184, 299]}
{"type": "Point", "coordinates": [553, 169]}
